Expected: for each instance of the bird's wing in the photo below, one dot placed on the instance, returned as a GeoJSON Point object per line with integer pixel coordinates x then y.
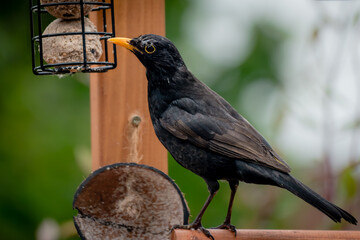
{"type": "Point", "coordinates": [224, 134]}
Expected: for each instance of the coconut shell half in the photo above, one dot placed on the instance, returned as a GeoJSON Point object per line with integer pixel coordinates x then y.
{"type": "Point", "coordinates": [128, 201]}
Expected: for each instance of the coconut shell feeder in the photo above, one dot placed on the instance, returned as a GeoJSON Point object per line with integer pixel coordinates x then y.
{"type": "Point", "coordinates": [128, 201]}
{"type": "Point", "coordinates": [71, 43]}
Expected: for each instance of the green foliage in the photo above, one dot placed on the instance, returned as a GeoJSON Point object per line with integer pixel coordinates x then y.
{"type": "Point", "coordinates": [42, 120]}
{"type": "Point", "coordinates": [174, 14]}
{"type": "Point", "coordinates": [260, 64]}
{"type": "Point", "coordinates": [348, 182]}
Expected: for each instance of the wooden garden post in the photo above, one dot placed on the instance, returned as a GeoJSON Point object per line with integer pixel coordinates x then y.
{"type": "Point", "coordinates": [121, 129]}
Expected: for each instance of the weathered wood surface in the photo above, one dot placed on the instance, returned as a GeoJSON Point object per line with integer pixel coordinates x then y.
{"type": "Point", "coordinates": [253, 234]}
{"type": "Point", "coordinates": [120, 94]}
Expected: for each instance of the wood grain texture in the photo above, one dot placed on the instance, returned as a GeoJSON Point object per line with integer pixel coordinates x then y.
{"type": "Point", "coordinates": [120, 94]}
{"type": "Point", "coordinates": [253, 234]}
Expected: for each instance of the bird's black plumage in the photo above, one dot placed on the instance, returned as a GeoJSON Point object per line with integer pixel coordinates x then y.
{"type": "Point", "coordinates": [206, 135]}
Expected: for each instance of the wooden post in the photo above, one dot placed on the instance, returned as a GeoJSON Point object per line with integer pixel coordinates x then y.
{"type": "Point", "coordinates": [258, 234]}
{"type": "Point", "coordinates": [121, 129]}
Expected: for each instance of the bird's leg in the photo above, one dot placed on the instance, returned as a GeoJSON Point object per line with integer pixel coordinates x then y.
{"type": "Point", "coordinates": [213, 187]}
{"type": "Point", "coordinates": [226, 225]}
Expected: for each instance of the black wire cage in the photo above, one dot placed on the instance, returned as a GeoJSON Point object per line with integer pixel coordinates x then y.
{"type": "Point", "coordinates": [40, 18]}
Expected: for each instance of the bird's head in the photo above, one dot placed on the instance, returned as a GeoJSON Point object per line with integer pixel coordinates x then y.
{"type": "Point", "coordinates": [154, 52]}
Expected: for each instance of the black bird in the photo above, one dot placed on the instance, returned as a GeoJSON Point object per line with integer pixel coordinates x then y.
{"type": "Point", "coordinates": [206, 135]}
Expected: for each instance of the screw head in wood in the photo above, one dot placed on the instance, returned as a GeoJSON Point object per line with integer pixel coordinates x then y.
{"type": "Point", "coordinates": [135, 121]}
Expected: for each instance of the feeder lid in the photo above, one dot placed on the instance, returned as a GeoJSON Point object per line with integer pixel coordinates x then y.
{"type": "Point", "coordinates": [128, 201]}
{"type": "Point", "coordinates": [71, 11]}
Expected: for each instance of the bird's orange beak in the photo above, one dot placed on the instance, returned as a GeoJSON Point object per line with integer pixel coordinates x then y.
{"type": "Point", "coordinates": [124, 42]}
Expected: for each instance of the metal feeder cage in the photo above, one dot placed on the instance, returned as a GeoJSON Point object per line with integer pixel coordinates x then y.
{"type": "Point", "coordinates": [39, 16]}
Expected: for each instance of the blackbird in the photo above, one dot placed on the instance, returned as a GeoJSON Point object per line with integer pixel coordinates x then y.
{"type": "Point", "coordinates": [206, 135]}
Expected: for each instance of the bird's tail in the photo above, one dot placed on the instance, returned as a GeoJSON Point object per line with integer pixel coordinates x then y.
{"type": "Point", "coordinates": [301, 190]}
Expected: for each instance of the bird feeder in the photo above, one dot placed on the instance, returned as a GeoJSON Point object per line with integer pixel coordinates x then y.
{"type": "Point", "coordinates": [128, 201]}
{"type": "Point", "coordinates": [71, 43]}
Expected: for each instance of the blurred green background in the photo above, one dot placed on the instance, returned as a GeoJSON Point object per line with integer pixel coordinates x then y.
{"type": "Point", "coordinates": [45, 121]}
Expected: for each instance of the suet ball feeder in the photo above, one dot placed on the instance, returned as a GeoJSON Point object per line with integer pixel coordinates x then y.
{"type": "Point", "coordinates": [50, 51]}
{"type": "Point", "coordinates": [69, 48]}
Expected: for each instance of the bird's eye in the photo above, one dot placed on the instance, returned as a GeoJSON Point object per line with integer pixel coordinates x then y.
{"type": "Point", "coordinates": [150, 49]}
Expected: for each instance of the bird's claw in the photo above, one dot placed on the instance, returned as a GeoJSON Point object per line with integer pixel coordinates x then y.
{"type": "Point", "coordinates": [206, 232]}
{"type": "Point", "coordinates": [194, 227]}
{"type": "Point", "coordinates": [227, 226]}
